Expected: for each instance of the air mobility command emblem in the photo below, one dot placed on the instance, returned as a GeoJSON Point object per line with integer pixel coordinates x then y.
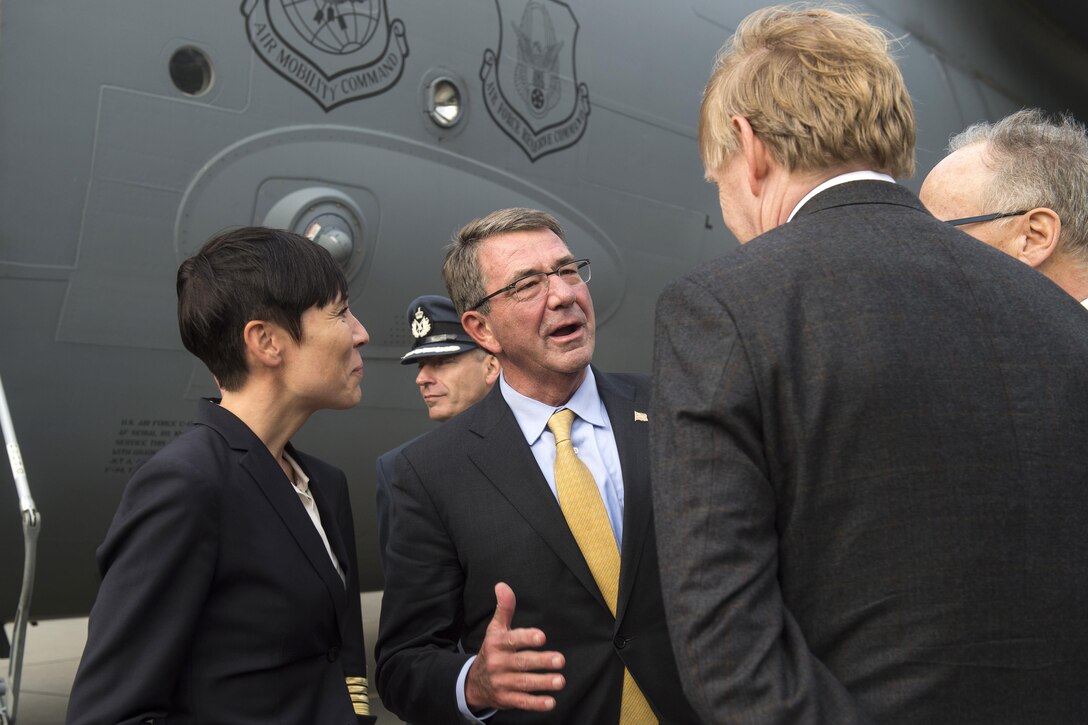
{"type": "Point", "coordinates": [530, 85]}
{"type": "Point", "coordinates": [337, 51]}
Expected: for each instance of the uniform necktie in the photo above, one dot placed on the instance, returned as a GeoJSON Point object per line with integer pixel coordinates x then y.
{"type": "Point", "coordinates": [587, 518]}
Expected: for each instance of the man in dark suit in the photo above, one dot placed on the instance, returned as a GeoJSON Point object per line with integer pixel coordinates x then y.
{"type": "Point", "coordinates": [869, 475]}
{"type": "Point", "coordinates": [229, 583]}
{"type": "Point", "coordinates": [539, 492]}
{"type": "Point", "coordinates": [454, 373]}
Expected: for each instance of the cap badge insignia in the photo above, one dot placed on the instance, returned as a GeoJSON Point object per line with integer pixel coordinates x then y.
{"type": "Point", "coordinates": [421, 325]}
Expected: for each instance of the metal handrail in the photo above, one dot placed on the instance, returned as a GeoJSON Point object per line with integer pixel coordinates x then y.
{"type": "Point", "coordinates": [32, 521]}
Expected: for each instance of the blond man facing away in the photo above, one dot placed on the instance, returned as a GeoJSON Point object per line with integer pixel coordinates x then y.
{"type": "Point", "coordinates": [866, 430]}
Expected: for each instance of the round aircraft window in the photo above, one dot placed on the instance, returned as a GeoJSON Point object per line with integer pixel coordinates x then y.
{"type": "Point", "coordinates": [326, 216]}
{"type": "Point", "coordinates": [335, 233]}
{"type": "Point", "coordinates": [191, 71]}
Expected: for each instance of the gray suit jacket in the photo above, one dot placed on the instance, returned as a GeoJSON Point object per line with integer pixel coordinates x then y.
{"type": "Point", "coordinates": [870, 476]}
{"type": "Point", "coordinates": [471, 508]}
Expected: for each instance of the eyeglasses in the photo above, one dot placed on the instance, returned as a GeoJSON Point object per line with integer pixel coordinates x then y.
{"type": "Point", "coordinates": [530, 286]}
{"type": "Point", "coordinates": [983, 218]}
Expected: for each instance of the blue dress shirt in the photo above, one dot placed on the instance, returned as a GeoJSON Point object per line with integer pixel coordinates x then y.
{"type": "Point", "coordinates": [595, 445]}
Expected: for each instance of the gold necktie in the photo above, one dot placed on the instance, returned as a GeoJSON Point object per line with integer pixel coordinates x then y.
{"type": "Point", "coordinates": [588, 521]}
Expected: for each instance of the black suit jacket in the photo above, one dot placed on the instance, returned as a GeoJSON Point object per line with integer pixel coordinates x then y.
{"type": "Point", "coordinates": [382, 493]}
{"type": "Point", "coordinates": [385, 465]}
{"type": "Point", "coordinates": [218, 601]}
{"type": "Point", "coordinates": [870, 475]}
{"type": "Point", "coordinates": [471, 508]}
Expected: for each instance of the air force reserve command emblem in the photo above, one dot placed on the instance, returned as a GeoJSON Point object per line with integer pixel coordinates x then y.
{"type": "Point", "coordinates": [530, 86]}
{"type": "Point", "coordinates": [337, 51]}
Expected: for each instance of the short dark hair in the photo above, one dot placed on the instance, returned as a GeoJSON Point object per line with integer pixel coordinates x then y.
{"type": "Point", "coordinates": [251, 273]}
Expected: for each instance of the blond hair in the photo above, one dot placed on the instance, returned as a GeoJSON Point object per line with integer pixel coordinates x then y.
{"type": "Point", "coordinates": [819, 87]}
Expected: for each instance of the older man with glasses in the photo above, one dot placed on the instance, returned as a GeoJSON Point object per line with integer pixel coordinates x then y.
{"type": "Point", "coordinates": [1031, 164]}
{"type": "Point", "coordinates": [541, 491]}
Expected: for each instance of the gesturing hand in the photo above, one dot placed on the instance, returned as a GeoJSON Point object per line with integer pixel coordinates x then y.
{"type": "Point", "coordinates": [504, 674]}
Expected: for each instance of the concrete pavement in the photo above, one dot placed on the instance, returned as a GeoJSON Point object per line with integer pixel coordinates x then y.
{"type": "Point", "coordinates": [52, 652]}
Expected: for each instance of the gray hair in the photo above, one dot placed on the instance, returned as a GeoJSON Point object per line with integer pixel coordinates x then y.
{"type": "Point", "coordinates": [461, 271]}
{"type": "Point", "coordinates": [1037, 162]}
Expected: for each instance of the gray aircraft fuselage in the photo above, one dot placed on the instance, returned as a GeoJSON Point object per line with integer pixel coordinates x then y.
{"type": "Point", "coordinates": [131, 131]}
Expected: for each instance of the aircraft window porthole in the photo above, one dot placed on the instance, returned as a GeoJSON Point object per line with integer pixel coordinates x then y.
{"type": "Point", "coordinates": [444, 104]}
{"type": "Point", "coordinates": [191, 71]}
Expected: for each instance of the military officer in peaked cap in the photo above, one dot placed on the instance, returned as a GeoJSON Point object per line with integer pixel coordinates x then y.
{"type": "Point", "coordinates": [454, 373]}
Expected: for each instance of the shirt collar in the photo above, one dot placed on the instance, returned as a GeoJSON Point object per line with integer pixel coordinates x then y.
{"type": "Point", "coordinates": [835, 181]}
{"type": "Point", "coordinates": [302, 481]}
{"type": "Point", "coordinates": [532, 415]}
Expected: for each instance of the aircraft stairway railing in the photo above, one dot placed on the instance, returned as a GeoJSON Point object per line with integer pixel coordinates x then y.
{"type": "Point", "coordinates": [32, 521]}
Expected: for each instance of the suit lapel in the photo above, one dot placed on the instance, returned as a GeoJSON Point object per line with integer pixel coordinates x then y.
{"type": "Point", "coordinates": [328, 522]}
{"type": "Point", "coordinates": [505, 460]}
{"type": "Point", "coordinates": [632, 442]}
{"type": "Point", "coordinates": [269, 478]}
{"type": "Point", "coordinates": [331, 525]}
